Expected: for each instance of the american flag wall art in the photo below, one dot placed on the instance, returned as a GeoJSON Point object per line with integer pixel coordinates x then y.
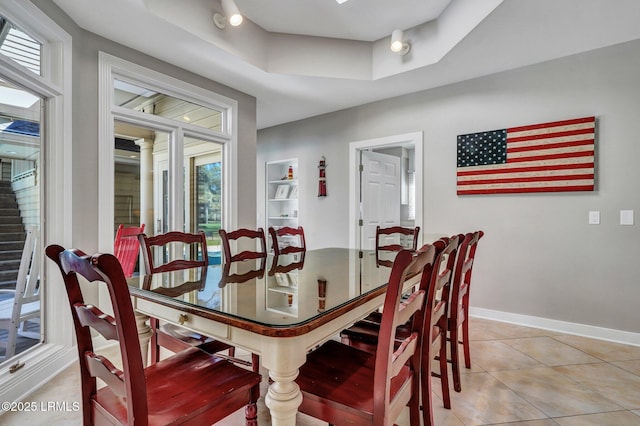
{"type": "Point", "coordinates": [548, 157]}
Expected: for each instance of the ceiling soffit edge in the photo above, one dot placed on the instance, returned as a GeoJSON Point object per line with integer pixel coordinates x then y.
{"type": "Point", "coordinates": [291, 54]}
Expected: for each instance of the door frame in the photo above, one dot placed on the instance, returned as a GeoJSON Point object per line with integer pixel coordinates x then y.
{"type": "Point", "coordinates": [415, 138]}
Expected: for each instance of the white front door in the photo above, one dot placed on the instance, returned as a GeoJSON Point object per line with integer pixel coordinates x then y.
{"type": "Point", "coordinates": [380, 194]}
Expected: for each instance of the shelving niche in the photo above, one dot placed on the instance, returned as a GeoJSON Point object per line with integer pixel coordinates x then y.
{"type": "Point", "coordinates": [281, 195]}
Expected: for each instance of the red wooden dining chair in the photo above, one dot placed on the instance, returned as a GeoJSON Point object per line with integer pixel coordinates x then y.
{"type": "Point", "coordinates": [191, 387]}
{"type": "Point", "coordinates": [341, 384]}
{"type": "Point", "coordinates": [239, 236]}
{"type": "Point", "coordinates": [459, 304]}
{"type": "Point", "coordinates": [126, 247]}
{"type": "Point", "coordinates": [156, 251]}
{"type": "Point", "coordinates": [389, 240]}
{"type": "Point", "coordinates": [194, 251]}
{"type": "Point", "coordinates": [154, 248]}
{"type": "Point", "coordinates": [287, 240]}
{"type": "Point", "coordinates": [365, 334]}
{"type": "Point", "coordinates": [435, 345]}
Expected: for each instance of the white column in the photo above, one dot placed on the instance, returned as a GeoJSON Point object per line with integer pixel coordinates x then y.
{"type": "Point", "coordinates": [146, 185]}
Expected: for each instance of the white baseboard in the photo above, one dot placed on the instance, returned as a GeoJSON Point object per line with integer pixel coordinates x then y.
{"type": "Point", "coordinates": [601, 333]}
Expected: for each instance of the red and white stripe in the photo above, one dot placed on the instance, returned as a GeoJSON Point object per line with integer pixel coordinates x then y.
{"type": "Point", "coordinates": [548, 157]}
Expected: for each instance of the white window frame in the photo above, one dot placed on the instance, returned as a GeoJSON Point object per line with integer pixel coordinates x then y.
{"type": "Point", "coordinates": [110, 68]}
{"type": "Point", "coordinates": [54, 85]}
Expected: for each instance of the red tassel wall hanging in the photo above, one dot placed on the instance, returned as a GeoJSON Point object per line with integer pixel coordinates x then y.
{"type": "Point", "coordinates": [322, 181]}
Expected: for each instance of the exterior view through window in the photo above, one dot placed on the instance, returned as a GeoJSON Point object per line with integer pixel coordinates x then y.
{"type": "Point", "coordinates": [21, 180]}
{"type": "Point", "coordinates": [142, 182]}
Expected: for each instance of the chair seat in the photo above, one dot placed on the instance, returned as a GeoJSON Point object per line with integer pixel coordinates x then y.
{"type": "Point", "coordinates": [344, 375]}
{"type": "Point", "coordinates": [364, 334]}
{"type": "Point", "coordinates": [364, 331]}
{"type": "Point", "coordinates": [205, 377]}
{"type": "Point", "coordinates": [176, 338]}
{"type": "Point", "coordinates": [183, 334]}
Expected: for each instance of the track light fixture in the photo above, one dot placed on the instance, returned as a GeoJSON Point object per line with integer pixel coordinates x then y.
{"type": "Point", "coordinates": [398, 45]}
{"type": "Point", "coordinates": [231, 12]}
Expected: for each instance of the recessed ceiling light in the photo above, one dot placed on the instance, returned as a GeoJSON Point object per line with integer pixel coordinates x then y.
{"type": "Point", "coordinates": [342, 1]}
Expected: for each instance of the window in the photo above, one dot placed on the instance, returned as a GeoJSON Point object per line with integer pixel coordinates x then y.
{"type": "Point", "coordinates": [171, 147]}
{"type": "Point", "coordinates": [35, 73]}
{"type": "Point", "coordinates": [21, 181]}
{"type": "Point", "coordinates": [132, 96]}
{"type": "Point", "coordinates": [19, 46]}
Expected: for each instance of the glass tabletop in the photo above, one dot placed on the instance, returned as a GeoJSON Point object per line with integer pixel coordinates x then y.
{"type": "Point", "coordinates": [285, 291]}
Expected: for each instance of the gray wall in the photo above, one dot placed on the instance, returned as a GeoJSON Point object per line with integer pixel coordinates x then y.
{"type": "Point", "coordinates": [86, 46]}
{"type": "Point", "coordinates": [539, 257]}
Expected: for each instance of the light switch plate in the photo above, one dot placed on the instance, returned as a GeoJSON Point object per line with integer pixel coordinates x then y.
{"type": "Point", "coordinates": [626, 217]}
{"type": "Point", "coordinates": [594, 217]}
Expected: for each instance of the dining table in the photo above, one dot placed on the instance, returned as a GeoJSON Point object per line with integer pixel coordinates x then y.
{"type": "Point", "coordinates": [278, 307]}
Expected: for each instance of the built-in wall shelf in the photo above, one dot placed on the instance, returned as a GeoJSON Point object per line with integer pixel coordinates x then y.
{"type": "Point", "coordinates": [281, 194]}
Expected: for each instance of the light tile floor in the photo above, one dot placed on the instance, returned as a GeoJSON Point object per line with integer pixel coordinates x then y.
{"type": "Point", "coordinates": [520, 376]}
